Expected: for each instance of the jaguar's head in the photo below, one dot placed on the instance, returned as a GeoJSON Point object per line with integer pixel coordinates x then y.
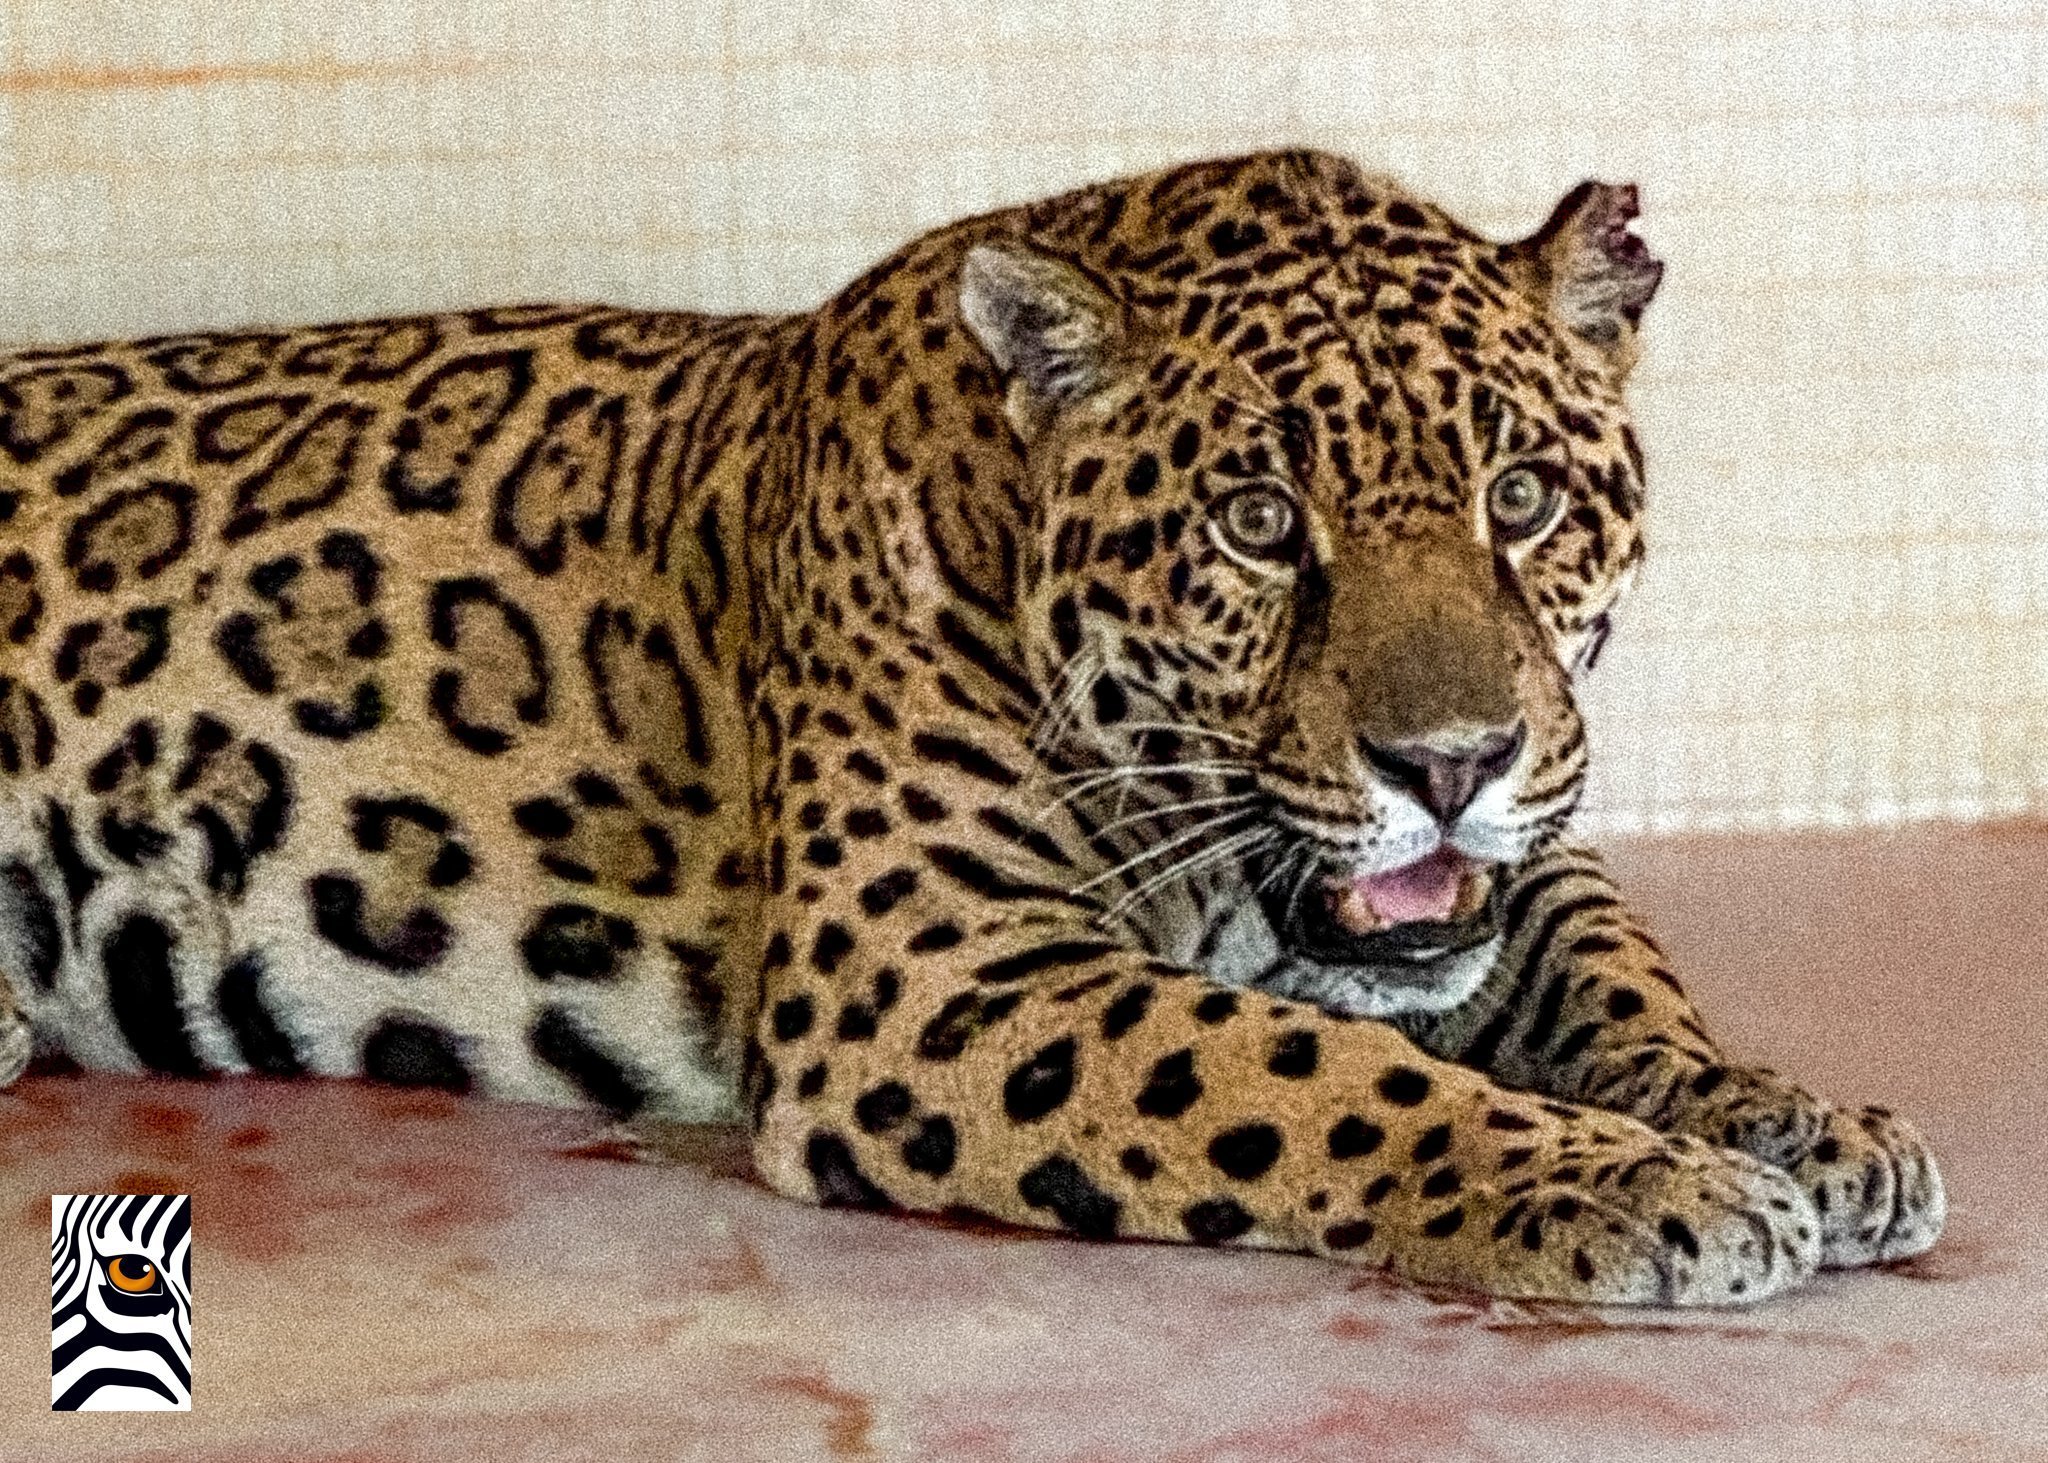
{"type": "Point", "coordinates": [1335, 500]}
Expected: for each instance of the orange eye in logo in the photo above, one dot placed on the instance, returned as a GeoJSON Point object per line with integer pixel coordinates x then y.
{"type": "Point", "coordinates": [131, 1274]}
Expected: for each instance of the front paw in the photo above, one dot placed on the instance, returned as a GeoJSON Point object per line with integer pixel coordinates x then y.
{"type": "Point", "coordinates": [1875, 1185]}
{"type": "Point", "coordinates": [1750, 1109]}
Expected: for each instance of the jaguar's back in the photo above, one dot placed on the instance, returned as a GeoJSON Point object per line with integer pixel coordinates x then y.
{"type": "Point", "coordinates": [362, 704]}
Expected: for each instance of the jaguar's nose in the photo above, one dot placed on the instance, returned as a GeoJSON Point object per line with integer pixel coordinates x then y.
{"type": "Point", "coordinates": [1445, 772]}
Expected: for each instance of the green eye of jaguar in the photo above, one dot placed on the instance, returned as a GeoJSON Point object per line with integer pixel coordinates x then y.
{"type": "Point", "coordinates": [1260, 522]}
{"type": "Point", "coordinates": [1521, 502]}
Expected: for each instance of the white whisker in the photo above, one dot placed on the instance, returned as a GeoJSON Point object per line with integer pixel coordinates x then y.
{"type": "Point", "coordinates": [1088, 780]}
{"type": "Point", "coordinates": [1194, 805]}
{"type": "Point", "coordinates": [1280, 868]}
{"type": "Point", "coordinates": [1151, 769]}
{"type": "Point", "coordinates": [1158, 850]}
{"type": "Point", "coordinates": [1068, 694]}
{"type": "Point", "coordinates": [1186, 729]}
{"type": "Point", "coordinates": [1236, 844]}
{"type": "Point", "coordinates": [1308, 868]}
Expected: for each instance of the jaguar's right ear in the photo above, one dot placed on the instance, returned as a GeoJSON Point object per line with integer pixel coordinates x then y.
{"type": "Point", "coordinates": [1046, 327]}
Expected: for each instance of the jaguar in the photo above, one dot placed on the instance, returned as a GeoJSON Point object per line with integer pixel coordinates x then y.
{"type": "Point", "coordinates": [1079, 729]}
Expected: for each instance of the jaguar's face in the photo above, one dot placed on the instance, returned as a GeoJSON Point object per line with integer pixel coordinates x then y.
{"type": "Point", "coordinates": [1342, 592]}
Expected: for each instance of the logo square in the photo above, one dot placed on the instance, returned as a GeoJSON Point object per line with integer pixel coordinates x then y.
{"type": "Point", "coordinates": [121, 1303]}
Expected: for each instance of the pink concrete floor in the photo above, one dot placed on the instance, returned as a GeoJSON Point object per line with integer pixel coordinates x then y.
{"type": "Point", "coordinates": [385, 1275]}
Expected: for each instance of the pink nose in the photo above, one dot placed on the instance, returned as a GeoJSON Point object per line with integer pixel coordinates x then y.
{"type": "Point", "coordinates": [1445, 773]}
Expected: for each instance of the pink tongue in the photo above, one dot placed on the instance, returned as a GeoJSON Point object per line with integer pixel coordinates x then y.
{"type": "Point", "coordinates": [1426, 889]}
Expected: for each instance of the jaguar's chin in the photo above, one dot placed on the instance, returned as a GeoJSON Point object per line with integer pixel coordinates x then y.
{"type": "Point", "coordinates": [1386, 990]}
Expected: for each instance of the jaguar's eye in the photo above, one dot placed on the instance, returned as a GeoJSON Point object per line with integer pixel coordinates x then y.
{"type": "Point", "coordinates": [131, 1274]}
{"type": "Point", "coordinates": [1523, 501]}
{"type": "Point", "coordinates": [1260, 522]}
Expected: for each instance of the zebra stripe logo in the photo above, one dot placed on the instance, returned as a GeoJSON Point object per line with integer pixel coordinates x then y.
{"type": "Point", "coordinates": [120, 1302]}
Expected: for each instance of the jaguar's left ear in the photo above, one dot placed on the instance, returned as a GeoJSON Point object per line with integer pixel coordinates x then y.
{"type": "Point", "coordinates": [1588, 269]}
{"type": "Point", "coordinates": [1046, 326]}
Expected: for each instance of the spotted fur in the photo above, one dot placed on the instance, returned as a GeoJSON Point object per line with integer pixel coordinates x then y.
{"type": "Point", "coordinates": [933, 725]}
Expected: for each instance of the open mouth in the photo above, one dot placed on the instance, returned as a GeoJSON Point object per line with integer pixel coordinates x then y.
{"type": "Point", "coordinates": [1436, 906]}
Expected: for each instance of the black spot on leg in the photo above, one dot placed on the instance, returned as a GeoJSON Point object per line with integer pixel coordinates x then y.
{"type": "Point", "coordinates": [1172, 1087]}
{"type": "Point", "coordinates": [1039, 958]}
{"type": "Point", "coordinates": [839, 1180]}
{"type": "Point", "coordinates": [408, 1052]}
{"type": "Point", "coordinates": [1353, 1137]}
{"type": "Point", "coordinates": [1295, 1054]}
{"type": "Point", "coordinates": [959, 1020]}
{"type": "Point", "coordinates": [883, 1108]}
{"type": "Point", "coordinates": [1063, 1186]}
{"type": "Point", "coordinates": [1403, 1086]}
{"type": "Point", "coordinates": [1216, 1007]}
{"type": "Point", "coordinates": [1040, 1085]}
{"type": "Point", "coordinates": [856, 1022]}
{"type": "Point", "coordinates": [792, 1017]}
{"type": "Point", "coordinates": [1086, 985]}
{"type": "Point", "coordinates": [1349, 1235]}
{"type": "Point", "coordinates": [1678, 1233]}
{"type": "Point", "coordinates": [833, 944]}
{"type": "Point", "coordinates": [1246, 1151]}
{"type": "Point", "coordinates": [933, 938]}
{"type": "Point", "coordinates": [1442, 1183]}
{"type": "Point", "coordinates": [1138, 1162]}
{"type": "Point", "coordinates": [142, 993]}
{"type": "Point", "coordinates": [885, 891]}
{"type": "Point", "coordinates": [1434, 1143]}
{"type": "Point", "coordinates": [1446, 1224]}
{"type": "Point", "coordinates": [1126, 1011]}
{"type": "Point", "coordinates": [930, 1150]}
{"type": "Point", "coordinates": [1215, 1221]}
{"type": "Point", "coordinates": [1624, 1002]}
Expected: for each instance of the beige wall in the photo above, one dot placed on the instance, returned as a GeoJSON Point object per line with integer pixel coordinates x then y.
{"type": "Point", "coordinates": [1845, 616]}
